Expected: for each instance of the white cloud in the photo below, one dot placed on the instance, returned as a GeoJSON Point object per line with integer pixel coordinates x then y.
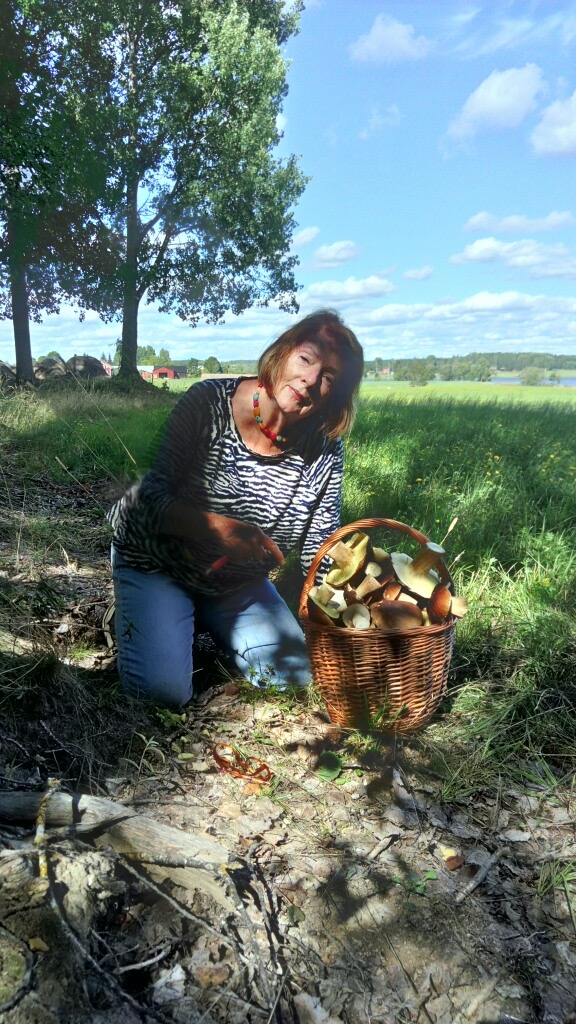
{"type": "Point", "coordinates": [485, 321]}
{"type": "Point", "coordinates": [520, 224]}
{"type": "Point", "coordinates": [281, 122]}
{"type": "Point", "coordinates": [421, 274]}
{"type": "Point", "coordinates": [305, 236]}
{"type": "Point", "coordinates": [555, 134]}
{"type": "Point", "coordinates": [487, 35]}
{"type": "Point", "coordinates": [377, 121]}
{"type": "Point", "coordinates": [389, 41]}
{"type": "Point", "coordinates": [351, 288]}
{"type": "Point", "coordinates": [335, 254]}
{"type": "Point", "coordinates": [537, 259]}
{"type": "Point", "coordinates": [501, 101]}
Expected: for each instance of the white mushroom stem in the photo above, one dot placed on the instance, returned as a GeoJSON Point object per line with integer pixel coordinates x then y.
{"type": "Point", "coordinates": [373, 569]}
{"type": "Point", "coordinates": [342, 554]}
{"type": "Point", "coordinates": [427, 557]}
{"type": "Point", "coordinates": [356, 616]}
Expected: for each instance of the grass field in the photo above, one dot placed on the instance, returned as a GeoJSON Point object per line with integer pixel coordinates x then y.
{"type": "Point", "coordinates": [501, 460]}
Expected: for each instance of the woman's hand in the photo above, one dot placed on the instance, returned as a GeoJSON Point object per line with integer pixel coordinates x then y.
{"type": "Point", "coordinates": [240, 542]}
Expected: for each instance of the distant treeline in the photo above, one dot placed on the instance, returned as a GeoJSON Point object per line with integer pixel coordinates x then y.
{"type": "Point", "coordinates": [474, 366]}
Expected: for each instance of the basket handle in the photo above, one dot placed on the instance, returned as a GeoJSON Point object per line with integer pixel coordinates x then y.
{"type": "Point", "coordinates": [363, 524]}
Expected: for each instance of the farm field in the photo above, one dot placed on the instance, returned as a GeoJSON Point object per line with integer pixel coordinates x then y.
{"type": "Point", "coordinates": [457, 390]}
{"type": "Point", "coordinates": [486, 469]}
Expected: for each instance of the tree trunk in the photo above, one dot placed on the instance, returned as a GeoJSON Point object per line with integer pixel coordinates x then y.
{"type": "Point", "coordinates": [20, 311]}
{"type": "Point", "coordinates": [128, 363]}
{"type": "Point", "coordinates": [131, 299]}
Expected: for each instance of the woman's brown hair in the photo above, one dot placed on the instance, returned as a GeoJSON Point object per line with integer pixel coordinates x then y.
{"type": "Point", "coordinates": [326, 329]}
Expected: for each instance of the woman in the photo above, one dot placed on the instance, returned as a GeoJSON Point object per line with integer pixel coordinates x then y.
{"type": "Point", "coordinates": [248, 470]}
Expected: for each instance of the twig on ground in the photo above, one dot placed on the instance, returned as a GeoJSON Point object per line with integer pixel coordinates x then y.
{"type": "Point", "coordinates": [375, 852]}
{"type": "Point", "coordinates": [277, 1000]}
{"type": "Point", "coordinates": [569, 853]}
{"type": "Point", "coordinates": [10, 739]}
{"type": "Point", "coordinates": [173, 902]}
{"type": "Point", "coordinates": [568, 896]}
{"type": "Point", "coordinates": [41, 839]}
{"type": "Point", "coordinates": [482, 997]}
{"type": "Point", "coordinates": [481, 875]}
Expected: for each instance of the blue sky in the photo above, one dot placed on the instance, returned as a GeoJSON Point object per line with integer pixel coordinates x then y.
{"type": "Point", "coordinates": [440, 139]}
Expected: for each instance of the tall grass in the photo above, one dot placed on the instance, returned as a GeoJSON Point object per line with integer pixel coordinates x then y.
{"type": "Point", "coordinates": [508, 473]}
{"type": "Point", "coordinates": [506, 470]}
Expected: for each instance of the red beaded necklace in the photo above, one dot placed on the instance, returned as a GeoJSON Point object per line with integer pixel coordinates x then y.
{"type": "Point", "coordinates": [270, 434]}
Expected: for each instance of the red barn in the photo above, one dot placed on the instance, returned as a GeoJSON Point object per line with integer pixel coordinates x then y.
{"type": "Point", "coordinates": [168, 372]}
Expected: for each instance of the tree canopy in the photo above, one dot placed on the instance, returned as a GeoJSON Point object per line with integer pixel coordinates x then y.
{"type": "Point", "coordinates": [51, 236]}
{"type": "Point", "coordinates": [145, 135]}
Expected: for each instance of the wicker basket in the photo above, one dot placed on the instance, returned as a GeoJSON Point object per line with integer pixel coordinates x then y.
{"type": "Point", "coordinates": [392, 680]}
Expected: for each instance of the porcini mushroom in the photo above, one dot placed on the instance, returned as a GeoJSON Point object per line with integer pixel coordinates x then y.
{"type": "Point", "coordinates": [356, 616]}
{"type": "Point", "coordinates": [368, 585]}
{"type": "Point", "coordinates": [325, 604]}
{"type": "Point", "coordinates": [417, 574]}
{"type": "Point", "coordinates": [349, 557]}
{"type": "Point", "coordinates": [373, 569]}
{"type": "Point", "coordinates": [439, 604]}
{"type": "Point", "coordinates": [396, 615]}
{"type": "Point", "coordinates": [459, 607]}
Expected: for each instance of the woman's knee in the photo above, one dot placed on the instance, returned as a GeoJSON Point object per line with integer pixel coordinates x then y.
{"type": "Point", "coordinates": [154, 675]}
{"type": "Point", "coordinates": [154, 624]}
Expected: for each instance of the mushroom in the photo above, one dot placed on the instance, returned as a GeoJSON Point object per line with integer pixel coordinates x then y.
{"type": "Point", "coordinates": [356, 616]}
{"type": "Point", "coordinates": [325, 604]}
{"type": "Point", "coordinates": [392, 591]}
{"type": "Point", "coordinates": [459, 607]}
{"type": "Point", "coordinates": [417, 574]}
{"type": "Point", "coordinates": [439, 604]}
{"type": "Point", "coordinates": [349, 558]}
{"type": "Point", "coordinates": [396, 615]}
{"type": "Point", "coordinates": [368, 585]}
{"type": "Point", "coordinates": [373, 569]}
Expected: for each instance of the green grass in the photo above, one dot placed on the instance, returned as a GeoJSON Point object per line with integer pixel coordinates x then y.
{"type": "Point", "coordinates": [500, 460]}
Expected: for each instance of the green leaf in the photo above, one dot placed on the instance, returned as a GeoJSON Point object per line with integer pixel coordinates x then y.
{"type": "Point", "coordinates": [329, 766]}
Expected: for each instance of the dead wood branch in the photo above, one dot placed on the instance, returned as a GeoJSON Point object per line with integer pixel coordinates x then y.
{"type": "Point", "coordinates": [481, 875]}
{"type": "Point", "coordinates": [139, 837]}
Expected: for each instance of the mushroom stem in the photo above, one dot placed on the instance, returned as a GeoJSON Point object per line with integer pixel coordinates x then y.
{"type": "Point", "coordinates": [427, 557]}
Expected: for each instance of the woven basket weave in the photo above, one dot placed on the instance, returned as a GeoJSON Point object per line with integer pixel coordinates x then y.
{"type": "Point", "coordinates": [392, 680]}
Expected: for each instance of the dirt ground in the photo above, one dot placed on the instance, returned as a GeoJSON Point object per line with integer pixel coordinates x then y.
{"type": "Point", "coordinates": [347, 890]}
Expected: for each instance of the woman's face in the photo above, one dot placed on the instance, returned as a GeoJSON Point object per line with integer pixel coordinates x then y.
{"type": "Point", "coordinates": [306, 380]}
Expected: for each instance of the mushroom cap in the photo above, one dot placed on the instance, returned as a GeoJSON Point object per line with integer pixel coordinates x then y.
{"type": "Point", "coordinates": [396, 615]}
{"type": "Point", "coordinates": [459, 607]}
{"type": "Point", "coordinates": [392, 591]}
{"type": "Point", "coordinates": [439, 604]}
{"type": "Point", "coordinates": [325, 602]}
{"type": "Point", "coordinates": [420, 583]}
{"type": "Point", "coordinates": [349, 558]}
{"type": "Point", "coordinates": [356, 616]}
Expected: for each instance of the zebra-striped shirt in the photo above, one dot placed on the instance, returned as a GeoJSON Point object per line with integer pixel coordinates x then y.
{"type": "Point", "coordinates": [294, 496]}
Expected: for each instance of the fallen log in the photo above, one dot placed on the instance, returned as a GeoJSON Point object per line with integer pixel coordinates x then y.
{"type": "Point", "coordinates": [157, 849]}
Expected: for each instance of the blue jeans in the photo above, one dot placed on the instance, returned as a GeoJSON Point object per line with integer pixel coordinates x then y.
{"type": "Point", "coordinates": [154, 624]}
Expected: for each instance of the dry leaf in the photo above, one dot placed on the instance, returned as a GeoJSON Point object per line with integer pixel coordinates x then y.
{"type": "Point", "coordinates": [37, 945]}
{"type": "Point", "coordinates": [454, 862]}
{"type": "Point", "coordinates": [250, 788]}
